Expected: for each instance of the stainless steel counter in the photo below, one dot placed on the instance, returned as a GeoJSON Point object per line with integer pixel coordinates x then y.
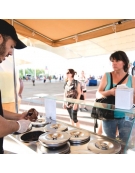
{"type": "Point", "coordinates": [36, 148]}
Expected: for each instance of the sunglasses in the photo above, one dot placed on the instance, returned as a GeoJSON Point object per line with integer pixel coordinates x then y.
{"type": "Point", "coordinates": [68, 72]}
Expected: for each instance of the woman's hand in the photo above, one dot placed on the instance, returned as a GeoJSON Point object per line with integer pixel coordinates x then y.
{"type": "Point", "coordinates": [64, 106]}
{"type": "Point", "coordinates": [112, 91]}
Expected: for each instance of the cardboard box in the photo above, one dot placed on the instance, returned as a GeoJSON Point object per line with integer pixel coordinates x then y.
{"type": "Point", "coordinates": [124, 98]}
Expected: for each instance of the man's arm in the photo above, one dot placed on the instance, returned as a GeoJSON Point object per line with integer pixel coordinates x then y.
{"type": "Point", "coordinates": [13, 116]}
{"type": "Point", "coordinates": [7, 126]}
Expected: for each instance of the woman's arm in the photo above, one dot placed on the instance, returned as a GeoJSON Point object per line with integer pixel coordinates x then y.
{"type": "Point", "coordinates": [100, 92]}
{"type": "Point", "coordinates": [79, 91]}
{"type": "Point", "coordinates": [75, 106]}
{"type": "Point", "coordinates": [133, 86]}
{"type": "Point", "coordinates": [86, 80]}
{"type": "Point", "coordinates": [64, 103]}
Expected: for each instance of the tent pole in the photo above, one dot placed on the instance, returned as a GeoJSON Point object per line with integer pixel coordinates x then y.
{"type": "Point", "coordinates": [15, 82]}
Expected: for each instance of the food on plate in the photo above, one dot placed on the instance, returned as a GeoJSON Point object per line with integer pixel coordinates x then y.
{"type": "Point", "coordinates": [32, 115]}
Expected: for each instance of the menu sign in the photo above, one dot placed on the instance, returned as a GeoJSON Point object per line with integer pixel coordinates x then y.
{"type": "Point", "coordinates": [50, 108]}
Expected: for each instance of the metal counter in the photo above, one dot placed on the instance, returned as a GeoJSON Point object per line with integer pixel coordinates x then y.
{"type": "Point", "coordinates": [36, 148]}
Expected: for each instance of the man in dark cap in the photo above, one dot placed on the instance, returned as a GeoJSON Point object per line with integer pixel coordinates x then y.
{"type": "Point", "coordinates": [10, 122]}
{"type": "Point", "coordinates": [8, 40]}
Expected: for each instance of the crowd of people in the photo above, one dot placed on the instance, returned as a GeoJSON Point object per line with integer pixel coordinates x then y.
{"type": "Point", "coordinates": [111, 128]}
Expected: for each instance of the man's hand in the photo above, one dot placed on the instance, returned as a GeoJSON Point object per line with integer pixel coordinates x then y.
{"type": "Point", "coordinates": [23, 115]}
{"type": "Point", "coordinates": [32, 115]}
{"type": "Point", "coordinates": [23, 125]}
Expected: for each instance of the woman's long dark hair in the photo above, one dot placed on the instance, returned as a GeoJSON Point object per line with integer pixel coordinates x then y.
{"type": "Point", "coordinates": [72, 71]}
{"type": "Point", "coordinates": [120, 55]}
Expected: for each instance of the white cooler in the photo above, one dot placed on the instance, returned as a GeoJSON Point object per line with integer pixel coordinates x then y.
{"type": "Point", "coordinates": [124, 98]}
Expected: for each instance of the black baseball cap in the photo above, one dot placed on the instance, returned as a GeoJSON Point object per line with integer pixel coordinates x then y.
{"type": "Point", "coordinates": [7, 29]}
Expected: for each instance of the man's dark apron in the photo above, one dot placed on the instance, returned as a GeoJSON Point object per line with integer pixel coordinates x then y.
{"type": "Point", "coordinates": [1, 139]}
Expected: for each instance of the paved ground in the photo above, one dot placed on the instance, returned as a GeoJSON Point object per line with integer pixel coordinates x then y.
{"type": "Point", "coordinates": [29, 100]}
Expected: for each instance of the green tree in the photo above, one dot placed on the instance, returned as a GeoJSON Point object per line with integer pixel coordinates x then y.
{"type": "Point", "coordinates": [29, 71]}
{"type": "Point", "coordinates": [21, 73]}
{"type": "Point", "coordinates": [39, 71]}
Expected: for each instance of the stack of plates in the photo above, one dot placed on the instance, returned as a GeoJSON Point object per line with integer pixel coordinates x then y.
{"type": "Point", "coordinates": [56, 127]}
{"type": "Point", "coordinates": [79, 136]}
{"type": "Point", "coordinates": [104, 146]}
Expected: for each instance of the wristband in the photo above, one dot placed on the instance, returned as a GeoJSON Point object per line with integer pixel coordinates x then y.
{"type": "Point", "coordinates": [19, 126]}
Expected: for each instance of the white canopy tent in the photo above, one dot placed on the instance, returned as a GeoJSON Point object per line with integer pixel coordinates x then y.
{"type": "Point", "coordinates": [77, 38]}
{"type": "Point", "coordinates": [124, 40]}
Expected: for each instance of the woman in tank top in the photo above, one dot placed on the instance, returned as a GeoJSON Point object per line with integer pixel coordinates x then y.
{"type": "Point", "coordinates": [120, 64]}
{"type": "Point", "coordinates": [72, 89]}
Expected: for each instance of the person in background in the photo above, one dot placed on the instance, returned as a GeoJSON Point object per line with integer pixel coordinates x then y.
{"type": "Point", "coordinates": [44, 79]}
{"type": "Point", "coordinates": [72, 89]}
{"type": "Point", "coordinates": [20, 88]}
{"type": "Point", "coordinates": [76, 76]}
{"type": "Point", "coordinates": [83, 80]}
{"type": "Point", "coordinates": [60, 78]}
{"type": "Point", "coordinates": [27, 78]}
{"type": "Point", "coordinates": [50, 78]}
{"type": "Point", "coordinates": [10, 122]}
{"type": "Point", "coordinates": [120, 64]}
{"type": "Point", "coordinates": [33, 81]}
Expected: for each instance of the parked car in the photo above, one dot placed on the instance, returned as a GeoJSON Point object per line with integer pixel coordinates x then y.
{"type": "Point", "coordinates": [41, 77]}
{"type": "Point", "coordinates": [29, 76]}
